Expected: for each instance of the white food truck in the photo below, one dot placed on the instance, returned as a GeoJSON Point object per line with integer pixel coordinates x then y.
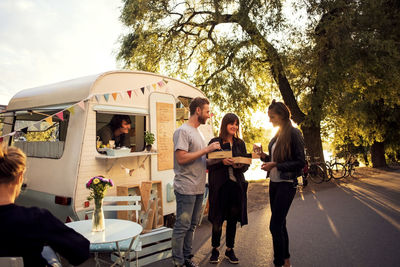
{"type": "Point", "coordinates": [56, 125]}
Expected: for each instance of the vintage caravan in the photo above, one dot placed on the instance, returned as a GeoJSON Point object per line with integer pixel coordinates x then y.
{"type": "Point", "coordinates": [56, 125]}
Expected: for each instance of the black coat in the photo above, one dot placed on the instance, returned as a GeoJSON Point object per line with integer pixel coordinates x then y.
{"type": "Point", "coordinates": [218, 175]}
{"type": "Point", "coordinates": [291, 168]}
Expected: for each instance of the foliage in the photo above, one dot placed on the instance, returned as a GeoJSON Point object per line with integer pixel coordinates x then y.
{"type": "Point", "coordinates": [98, 186]}
{"type": "Point", "coordinates": [149, 137]}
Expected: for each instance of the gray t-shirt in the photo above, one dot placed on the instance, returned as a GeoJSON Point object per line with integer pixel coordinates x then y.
{"type": "Point", "coordinates": [275, 175]}
{"type": "Point", "coordinates": [190, 178]}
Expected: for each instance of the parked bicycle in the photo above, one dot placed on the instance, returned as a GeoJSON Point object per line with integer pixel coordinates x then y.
{"type": "Point", "coordinates": [313, 170]}
{"type": "Point", "coordinates": [350, 166]}
{"type": "Point", "coordinates": [337, 169]}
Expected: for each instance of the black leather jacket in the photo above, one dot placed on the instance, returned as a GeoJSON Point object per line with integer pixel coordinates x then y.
{"type": "Point", "coordinates": [291, 168]}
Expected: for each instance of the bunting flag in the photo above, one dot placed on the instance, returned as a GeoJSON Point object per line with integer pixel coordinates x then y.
{"type": "Point", "coordinates": [60, 115]}
{"type": "Point", "coordinates": [81, 104]}
{"type": "Point", "coordinates": [114, 95]}
{"type": "Point", "coordinates": [49, 120]}
{"type": "Point", "coordinates": [71, 110]}
{"type": "Point", "coordinates": [35, 126]}
{"type": "Point", "coordinates": [106, 97]}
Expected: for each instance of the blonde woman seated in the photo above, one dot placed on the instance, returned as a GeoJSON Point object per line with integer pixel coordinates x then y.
{"type": "Point", "coordinates": [25, 231]}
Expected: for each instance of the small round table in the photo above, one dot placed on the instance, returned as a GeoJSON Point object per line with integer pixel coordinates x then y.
{"type": "Point", "coordinates": [115, 231]}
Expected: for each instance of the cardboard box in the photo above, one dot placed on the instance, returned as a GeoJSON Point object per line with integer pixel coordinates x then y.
{"type": "Point", "coordinates": [220, 155]}
{"type": "Point", "coordinates": [243, 160]}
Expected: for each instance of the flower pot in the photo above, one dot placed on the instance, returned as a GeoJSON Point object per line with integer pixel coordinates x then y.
{"type": "Point", "coordinates": [98, 216]}
{"type": "Point", "coordinates": [148, 147]}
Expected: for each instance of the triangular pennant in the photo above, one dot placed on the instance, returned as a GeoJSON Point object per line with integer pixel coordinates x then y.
{"type": "Point", "coordinates": [24, 130]}
{"type": "Point", "coordinates": [49, 120]}
{"type": "Point", "coordinates": [165, 81]}
{"type": "Point", "coordinates": [97, 98]}
{"type": "Point", "coordinates": [60, 115]}
{"type": "Point", "coordinates": [154, 86]}
{"type": "Point", "coordinates": [161, 83]}
{"type": "Point", "coordinates": [148, 87]}
{"type": "Point", "coordinates": [142, 89]}
{"type": "Point", "coordinates": [135, 92]}
{"type": "Point", "coordinates": [114, 95]}
{"type": "Point", "coordinates": [71, 110]}
{"type": "Point", "coordinates": [1, 139]}
{"type": "Point", "coordinates": [81, 104]}
{"type": "Point", "coordinates": [106, 97]}
{"type": "Point", "coordinates": [129, 93]}
{"type": "Point", "coordinates": [34, 127]}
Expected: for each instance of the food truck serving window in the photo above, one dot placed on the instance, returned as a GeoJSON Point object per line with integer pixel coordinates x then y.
{"type": "Point", "coordinates": [107, 124]}
{"type": "Point", "coordinates": [38, 137]}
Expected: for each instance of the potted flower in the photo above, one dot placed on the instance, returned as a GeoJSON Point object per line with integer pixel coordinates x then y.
{"type": "Point", "coordinates": [98, 186]}
{"type": "Point", "coordinates": [148, 139]}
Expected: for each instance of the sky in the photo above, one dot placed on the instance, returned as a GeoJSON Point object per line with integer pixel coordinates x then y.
{"type": "Point", "coordinates": [48, 41]}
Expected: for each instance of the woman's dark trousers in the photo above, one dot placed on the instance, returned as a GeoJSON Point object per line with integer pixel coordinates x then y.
{"type": "Point", "coordinates": [230, 203]}
{"type": "Point", "coordinates": [281, 195]}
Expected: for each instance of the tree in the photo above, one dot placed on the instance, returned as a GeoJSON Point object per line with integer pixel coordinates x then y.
{"type": "Point", "coordinates": [237, 51]}
{"type": "Point", "coordinates": [366, 109]}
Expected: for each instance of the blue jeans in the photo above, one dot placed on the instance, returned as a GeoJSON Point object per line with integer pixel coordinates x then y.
{"type": "Point", "coordinates": [188, 209]}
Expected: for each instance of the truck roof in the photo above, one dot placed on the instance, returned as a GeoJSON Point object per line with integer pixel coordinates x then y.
{"type": "Point", "coordinates": [70, 91]}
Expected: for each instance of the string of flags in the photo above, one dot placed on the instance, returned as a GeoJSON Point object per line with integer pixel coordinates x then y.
{"type": "Point", "coordinates": [81, 104]}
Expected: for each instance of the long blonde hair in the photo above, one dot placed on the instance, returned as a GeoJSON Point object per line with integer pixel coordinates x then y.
{"type": "Point", "coordinates": [12, 163]}
{"type": "Point", "coordinates": [283, 149]}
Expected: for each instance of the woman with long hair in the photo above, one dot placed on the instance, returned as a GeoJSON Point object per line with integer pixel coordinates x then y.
{"type": "Point", "coordinates": [228, 187]}
{"type": "Point", "coordinates": [284, 163]}
{"type": "Point", "coordinates": [25, 231]}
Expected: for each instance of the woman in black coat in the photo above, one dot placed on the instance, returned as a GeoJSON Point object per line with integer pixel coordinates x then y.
{"type": "Point", "coordinates": [284, 164]}
{"type": "Point", "coordinates": [228, 189]}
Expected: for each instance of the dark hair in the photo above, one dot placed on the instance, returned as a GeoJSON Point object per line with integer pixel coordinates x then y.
{"type": "Point", "coordinates": [197, 102]}
{"type": "Point", "coordinates": [282, 149]}
{"type": "Point", "coordinates": [229, 118]}
{"type": "Point", "coordinates": [12, 163]}
{"type": "Point", "coordinates": [116, 121]}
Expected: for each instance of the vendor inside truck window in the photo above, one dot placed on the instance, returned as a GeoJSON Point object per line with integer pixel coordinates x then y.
{"type": "Point", "coordinates": [116, 130]}
{"type": "Point", "coordinates": [120, 130]}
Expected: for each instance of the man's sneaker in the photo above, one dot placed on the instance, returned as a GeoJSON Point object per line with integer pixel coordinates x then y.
{"type": "Point", "coordinates": [214, 256]}
{"type": "Point", "coordinates": [190, 263]}
{"type": "Point", "coordinates": [230, 255]}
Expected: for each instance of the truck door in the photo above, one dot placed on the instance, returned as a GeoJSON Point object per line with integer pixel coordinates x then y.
{"type": "Point", "coordinates": [162, 125]}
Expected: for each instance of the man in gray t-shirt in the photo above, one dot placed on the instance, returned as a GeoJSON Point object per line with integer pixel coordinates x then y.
{"type": "Point", "coordinates": [189, 181]}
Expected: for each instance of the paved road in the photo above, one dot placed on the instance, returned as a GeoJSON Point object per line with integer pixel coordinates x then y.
{"type": "Point", "coordinates": [352, 223]}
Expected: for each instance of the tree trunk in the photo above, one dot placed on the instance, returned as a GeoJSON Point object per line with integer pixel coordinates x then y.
{"type": "Point", "coordinates": [378, 155]}
{"type": "Point", "coordinates": [313, 142]}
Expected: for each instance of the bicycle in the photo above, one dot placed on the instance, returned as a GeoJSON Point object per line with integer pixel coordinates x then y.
{"type": "Point", "coordinates": [337, 169]}
{"type": "Point", "coordinates": [350, 166]}
{"type": "Point", "coordinates": [316, 173]}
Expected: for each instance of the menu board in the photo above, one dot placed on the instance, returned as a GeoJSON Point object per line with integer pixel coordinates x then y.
{"type": "Point", "coordinates": [165, 132]}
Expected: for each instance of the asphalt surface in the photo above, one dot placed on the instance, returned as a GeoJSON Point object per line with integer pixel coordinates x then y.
{"type": "Point", "coordinates": [354, 222]}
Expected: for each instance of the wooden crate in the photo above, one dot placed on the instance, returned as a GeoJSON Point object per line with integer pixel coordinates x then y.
{"type": "Point", "coordinates": [151, 192]}
{"type": "Point", "coordinates": [127, 190]}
